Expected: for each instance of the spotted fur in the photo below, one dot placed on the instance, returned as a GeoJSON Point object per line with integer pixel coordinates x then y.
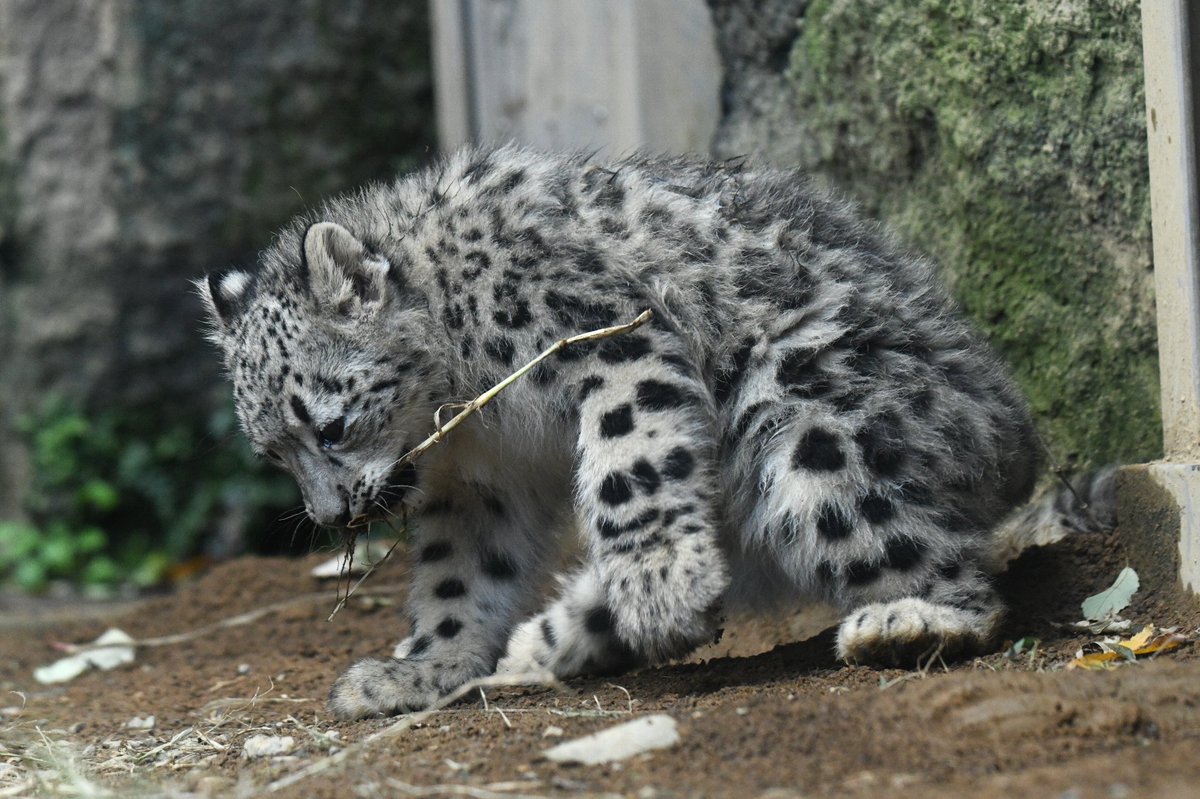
{"type": "Point", "coordinates": [807, 416]}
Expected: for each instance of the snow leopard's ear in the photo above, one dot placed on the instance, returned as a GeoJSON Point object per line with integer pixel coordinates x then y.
{"type": "Point", "coordinates": [223, 294]}
{"type": "Point", "coordinates": [343, 273]}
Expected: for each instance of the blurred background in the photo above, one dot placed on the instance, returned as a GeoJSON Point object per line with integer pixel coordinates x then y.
{"type": "Point", "coordinates": [145, 143]}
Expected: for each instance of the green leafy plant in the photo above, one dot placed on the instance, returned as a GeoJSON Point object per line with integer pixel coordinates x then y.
{"type": "Point", "coordinates": [121, 496]}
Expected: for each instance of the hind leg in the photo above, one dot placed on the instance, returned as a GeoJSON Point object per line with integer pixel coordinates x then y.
{"type": "Point", "coordinates": [847, 522]}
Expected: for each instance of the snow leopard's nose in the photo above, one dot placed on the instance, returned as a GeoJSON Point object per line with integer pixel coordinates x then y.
{"type": "Point", "coordinates": [333, 512]}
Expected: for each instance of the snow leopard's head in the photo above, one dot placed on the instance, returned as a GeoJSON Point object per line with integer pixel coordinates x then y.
{"type": "Point", "coordinates": [332, 371]}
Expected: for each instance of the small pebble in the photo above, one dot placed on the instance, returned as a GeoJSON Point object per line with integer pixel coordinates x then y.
{"type": "Point", "coordinates": [243, 669]}
{"type": "Point", "coordinates": [267, 746]}
{"type": "Point", "coordinates": [552, 732]}
{"type": "Point", "coordinates": [137, 723]}
{"type": "Point", "coordinates": [212, 786]}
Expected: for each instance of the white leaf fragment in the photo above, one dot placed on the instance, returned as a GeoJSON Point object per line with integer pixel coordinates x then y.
{"type": "Point", "coordinates": [267, 746]}
{"type": "Point", "coordinates": [618, 743]}
{"type": "Point", "coordinates": [138, 723]}
{"type": "Point", "coordinates": [366, 554]}
{"type": "Point", "coordinates": [1105, 605]}
{"type": "Point", "coordinates": [115, 649]}
{"type": "Point", "coordinates": [1113, 625]}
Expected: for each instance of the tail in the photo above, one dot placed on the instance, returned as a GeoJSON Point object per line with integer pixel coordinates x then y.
{"type": "Point", "coordinates": [1087, 505]}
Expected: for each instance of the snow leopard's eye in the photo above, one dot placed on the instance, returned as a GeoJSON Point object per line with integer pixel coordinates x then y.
{"type": "Point", "coordinates": [332, 433]}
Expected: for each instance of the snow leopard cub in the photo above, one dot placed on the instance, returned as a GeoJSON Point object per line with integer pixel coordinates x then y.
{"type": "Point", "coordinates": [807, 415]}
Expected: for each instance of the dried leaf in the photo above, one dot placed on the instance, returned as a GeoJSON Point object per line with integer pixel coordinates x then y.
{"type": "Point", "coordinates": [1024, 646]}
{"type": "Point", "coordinates": [1148, 641]}
{"type": "Point", "coordinates": [1094, 660]}
{"type": "Point", "coordinates": [1113, 625]}
{"type": "Point", "coordinates": [1142, 638]}
{"type": "Point", "coordinates": [114, 648]}
{"type": "Point", "coordinates": [1163, 643]}
{"type": "Point", "coordinates": [1112, 600]}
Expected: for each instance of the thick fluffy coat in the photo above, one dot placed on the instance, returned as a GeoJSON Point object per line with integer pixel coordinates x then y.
{"type": "Point", "coordinates": [806, 416]}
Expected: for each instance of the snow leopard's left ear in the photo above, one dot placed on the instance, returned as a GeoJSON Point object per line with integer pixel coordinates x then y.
{"type": "Point", "coordinates": [343, 273]}
{"type": "Point", "coordinates": [223, 294]}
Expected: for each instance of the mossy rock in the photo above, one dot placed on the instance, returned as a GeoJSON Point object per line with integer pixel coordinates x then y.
{"type": "Point", "coordinates": [1008, 141]}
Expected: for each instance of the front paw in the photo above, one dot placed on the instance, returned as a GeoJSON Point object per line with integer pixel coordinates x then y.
{"type": "Point", "coordinates": [529, 650]}
{"type": "Point", "coordinates": [382, 687]}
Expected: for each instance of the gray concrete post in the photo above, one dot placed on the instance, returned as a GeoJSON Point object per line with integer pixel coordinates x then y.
{"type": "Point", "coordinates": [616, 75]}
{"type": "Point", "coordinates": [1171, 47]}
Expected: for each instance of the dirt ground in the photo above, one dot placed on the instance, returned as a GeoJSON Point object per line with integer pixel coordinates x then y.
{"type": "Point", "coordinates": [767, 712]}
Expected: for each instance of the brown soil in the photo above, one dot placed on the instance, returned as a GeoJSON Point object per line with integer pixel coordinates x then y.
{"type": "Point", "coordinates": [763, 713]}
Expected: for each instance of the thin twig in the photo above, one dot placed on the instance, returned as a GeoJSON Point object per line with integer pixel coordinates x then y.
{"type": "Point", "coordinates": [233, 621]}
{"type": "Point", "coordinates": [450, 789]}
{"type": "Point", "coordinates": [351, 589]}
{"type": "Point", "coordinates": [468, 409]}
{"type": "Point", "coordinates": [628, 696]}
{"type": "Point", "coordinates": [1061, 473]}
{"type": "Point", "coordinates": [407, 721]}
{"type": "Point", "coordinates": [483, 399]}
{"type": "Point", "coordinates": [142, 757]}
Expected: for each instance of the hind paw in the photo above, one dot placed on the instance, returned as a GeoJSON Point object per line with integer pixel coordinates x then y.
{"type": "Point", "coordinates": [905, 631]}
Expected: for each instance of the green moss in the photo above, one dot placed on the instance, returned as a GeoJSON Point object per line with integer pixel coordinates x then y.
{"type": "Point", "coordinates": [1091, 378]}
{"type": "Point", "coordinates": [1007, 139]}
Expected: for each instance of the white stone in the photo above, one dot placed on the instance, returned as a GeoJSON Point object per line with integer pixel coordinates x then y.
{"type": "Point", "coordinates": [267, 746]}
{"type": "Point", "coordinates": [618, 743]}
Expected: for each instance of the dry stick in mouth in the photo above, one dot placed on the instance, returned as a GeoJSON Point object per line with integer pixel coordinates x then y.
{"type": "Point", "coordinates": [349, 561]}
{"type": "Point", "coordinates": [470, 408]}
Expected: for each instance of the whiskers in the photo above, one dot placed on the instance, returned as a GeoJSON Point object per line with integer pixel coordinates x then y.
{"type": "Point", "coordinates": [295, 518]}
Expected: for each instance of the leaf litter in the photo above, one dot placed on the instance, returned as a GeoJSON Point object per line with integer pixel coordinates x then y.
{"type": "Point", "coordinates": [1102, 614]}
{"type": "Point", "coordinates": [1113, 652]}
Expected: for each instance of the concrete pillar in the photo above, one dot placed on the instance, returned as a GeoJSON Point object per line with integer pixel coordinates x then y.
{"type": "Point", "coordinates": [1162, 500]}
{"type": "Point", "coordinates": [616, 75]}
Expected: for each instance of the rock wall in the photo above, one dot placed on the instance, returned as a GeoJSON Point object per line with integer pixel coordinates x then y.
{"type": "Point", "coordinates": [142, 144]}
{"type": "Point", "coordinates": [1005, 139]}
